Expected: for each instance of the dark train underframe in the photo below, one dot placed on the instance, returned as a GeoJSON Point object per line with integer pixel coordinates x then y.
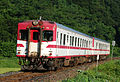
{"type": "Point", "coordinates": [30, 63]}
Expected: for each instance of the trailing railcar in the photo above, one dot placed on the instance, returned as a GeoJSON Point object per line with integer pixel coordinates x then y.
{"type": "Point", "coordinates": [52, 45]}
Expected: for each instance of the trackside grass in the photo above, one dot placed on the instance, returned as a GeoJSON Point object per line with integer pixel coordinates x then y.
{"type": "Point", "coordinates": [4, 70]}
{"type": "Point", "coordinates": [9, 64]}
{"type": "Point", "coordinates": [108, 72]}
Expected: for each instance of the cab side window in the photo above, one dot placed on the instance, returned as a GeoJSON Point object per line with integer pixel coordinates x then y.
{"type": "Point", "coordinates": [47, 35]}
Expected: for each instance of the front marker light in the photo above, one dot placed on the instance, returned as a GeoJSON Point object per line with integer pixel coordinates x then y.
{"type": "Point", "coordinates": [35, 23]}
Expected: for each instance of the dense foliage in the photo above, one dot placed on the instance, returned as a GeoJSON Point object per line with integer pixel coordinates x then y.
{"type": "Point", "coordinates": [7, 49]}
{"type": "Point", "coordinates": [98, 18]}
{"type": "Point", "coordinates": [109, 72]}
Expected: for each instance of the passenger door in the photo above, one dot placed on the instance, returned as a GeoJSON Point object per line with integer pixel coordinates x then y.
{"type": "Point", "coordinates": [34, 43]}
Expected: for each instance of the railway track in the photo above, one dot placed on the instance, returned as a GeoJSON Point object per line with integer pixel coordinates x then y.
{"type": "Point", "coordinates": [49, 76]}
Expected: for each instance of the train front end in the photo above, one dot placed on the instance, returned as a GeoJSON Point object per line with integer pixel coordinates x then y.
{"type": "Point", "coordinates": [33, 37]}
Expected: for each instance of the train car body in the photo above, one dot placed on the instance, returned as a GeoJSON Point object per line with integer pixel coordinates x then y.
{"type": "Point", "coordinates": [53, 45]}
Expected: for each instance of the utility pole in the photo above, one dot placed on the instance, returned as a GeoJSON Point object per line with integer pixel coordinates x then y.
{"type": "Point", "coordinates": [113, 44]}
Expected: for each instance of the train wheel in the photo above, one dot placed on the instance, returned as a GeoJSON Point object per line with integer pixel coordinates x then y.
{"type": "Point", "coordinates": [31, 64]}
{"type": "Point", "coordinates": [22, 68]}
{"type": "Point", "coordinates": [76, 61]}
{"type": "Point", "coordinates": [71, 63]}
{"type": "Point", "coordinates": [52, 68]}
{"type": "Point", "coordinates": [26, 68]}
{"type": "Point", "coordinates": [103, 57]}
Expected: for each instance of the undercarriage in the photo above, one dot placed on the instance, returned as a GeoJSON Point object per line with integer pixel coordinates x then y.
{"type": "Point", "coordinates": [30, 63]}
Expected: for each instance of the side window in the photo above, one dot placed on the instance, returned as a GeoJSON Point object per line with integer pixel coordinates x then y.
{"type": "Point", "coordinates": [96, 45]}
{"type": "Point", "coordinates": [78, 42]}
{"type": "Point", "coordinates": [99, 45]}
{"type": "Point", "coordinates": [70, 40]}
{"type": "Point", "coordinates": [67, 38]}
{"type": "Point", "coordinates": [87, 44]}
{"type": "Point", "coordinates": [64, 39]}
{"type": "Point", "coordinates": [47, 35]}
{"type": "Point", "coordinates": [73, 41]}
{"type": "Point", "coordinates": [61, 39]}
{"type": "Point", "coordinates": [82, 42]}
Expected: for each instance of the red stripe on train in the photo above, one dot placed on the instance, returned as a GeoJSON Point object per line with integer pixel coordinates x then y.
{"type": "Point", "coordinates": [93, 42]}
{"type": "Point", "coordinates": [64, 56]}
{"type": "Point", "coordinates": [69, 47]}
{"type": "Point", "coordinates": [20, 45]}
{"type": "Point", "coordinates": [75, 56]}
{"type": "Point", "coordinates": [21, 55]}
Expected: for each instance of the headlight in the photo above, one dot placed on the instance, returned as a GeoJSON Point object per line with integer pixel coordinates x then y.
{"type": "Point", "coordinates": [35, 23]}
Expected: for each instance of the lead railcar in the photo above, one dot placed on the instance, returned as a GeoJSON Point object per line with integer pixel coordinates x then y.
{"type": "Point", "coordinates": [52, 45]}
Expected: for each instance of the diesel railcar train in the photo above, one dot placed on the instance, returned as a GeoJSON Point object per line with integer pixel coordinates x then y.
{"type": "Point", "coordinates": [51, 45]}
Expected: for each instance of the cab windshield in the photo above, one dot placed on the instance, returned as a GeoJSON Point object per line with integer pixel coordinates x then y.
{"type": "Point", "coordinates": [23, 35]}
{"type": "Point", "coordinates": [47, 35]}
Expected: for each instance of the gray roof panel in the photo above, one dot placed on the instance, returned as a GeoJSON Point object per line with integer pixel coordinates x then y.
{"type": "Point", "coordinates": [70, 29]}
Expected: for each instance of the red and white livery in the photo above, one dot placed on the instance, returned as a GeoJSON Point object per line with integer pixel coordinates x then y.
{"type": "Point", "coordinates": [51, 45]}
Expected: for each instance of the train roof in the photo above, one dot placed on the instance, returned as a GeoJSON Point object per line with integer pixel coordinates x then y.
{"type": "Point", "coordinates": [44, 22]}
{"type": "Point", "coordinates": [70, 29]}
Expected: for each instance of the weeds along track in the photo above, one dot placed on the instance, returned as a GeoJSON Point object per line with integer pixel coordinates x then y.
{"type": "Point", "coordinates": [49, 76]}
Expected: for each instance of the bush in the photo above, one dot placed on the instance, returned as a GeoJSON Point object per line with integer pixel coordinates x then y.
{"type": "Point", "coordinates": [116, 51]}
{"type": "Point", "coordinates": [108, 72]}
{"type": "Point", "coordinates": [111, 68]}
{"type": "Point", "coordinates": [7, 49]}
